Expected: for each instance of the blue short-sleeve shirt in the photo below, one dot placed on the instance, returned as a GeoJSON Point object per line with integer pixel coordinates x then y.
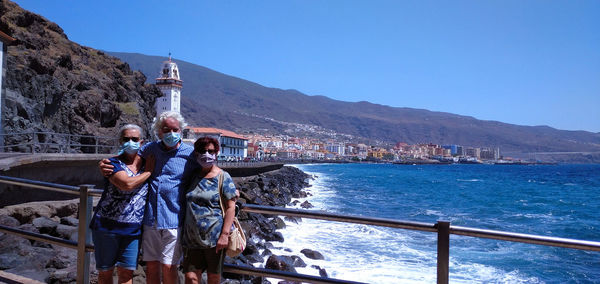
{"type": "Point", "coordinates": [166, 190]}
{"type": "Point", "coordinates": [203, 216]}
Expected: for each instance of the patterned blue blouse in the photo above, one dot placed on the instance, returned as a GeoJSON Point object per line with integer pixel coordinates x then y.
{"type": "Point", "coordinates": [120, 212]}
{"type": "Point", "coordinates": [203, 215]}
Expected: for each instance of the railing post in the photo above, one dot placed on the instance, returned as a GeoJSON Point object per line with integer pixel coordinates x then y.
{"type": "Point", "coordinates": [443, 251]}
{"type": "Point", "coordinates": [84, 237]}
{"type": "Point", "coordinates": [96, 139]}
{"type": "Point", "coordinates": [68, 146]}
{"type": "Point", "coordinates": [34, 142]}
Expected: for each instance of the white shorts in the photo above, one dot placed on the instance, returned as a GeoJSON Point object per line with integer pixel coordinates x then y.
{"type": "Point", "coordinates": [161, 245]}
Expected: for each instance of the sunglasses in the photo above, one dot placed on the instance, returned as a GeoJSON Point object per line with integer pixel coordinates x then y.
{"type": "Point", "coordinates": [209, 151]}
{"type": "Point", "coordinates": [134, 139]}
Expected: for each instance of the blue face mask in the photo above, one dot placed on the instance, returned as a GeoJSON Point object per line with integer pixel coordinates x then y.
{"type": "Point", "coordinates": [129, 147]}
{"type": "Point", "coordinates": [171, 139]}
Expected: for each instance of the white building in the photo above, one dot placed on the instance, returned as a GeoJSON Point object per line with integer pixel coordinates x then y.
{"type": "Point", "coordinates": [337, 148]}
{"type": "Point", "coordinates": [5, 40]}
{"type": "Point", "coordinates": [233, 145]}
{"type": "Point", "coordinates": [170, 85]}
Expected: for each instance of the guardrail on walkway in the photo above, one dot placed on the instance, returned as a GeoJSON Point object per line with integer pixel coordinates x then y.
{"type": "Point", "coordinates": [51, 142]}
{"type": "Point", "coordinates": [442, 228]}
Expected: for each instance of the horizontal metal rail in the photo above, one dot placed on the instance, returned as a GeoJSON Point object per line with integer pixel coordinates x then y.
{"type": "Point", "coordinates": [456, 230]}
{"type": "Point", "coordinates": [428, 227]}
{"type": "Point", "coordinates": [43, 238]}
{"type": "Point", "coordinates": [40, 185]}
{"type": "Point", "coordinates": [283, 275]}
{"type": "Point", "coordinates": [526, 238]}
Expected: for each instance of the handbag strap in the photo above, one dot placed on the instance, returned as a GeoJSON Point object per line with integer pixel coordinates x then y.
{"type": "Point", "coordinates": [220, 185]}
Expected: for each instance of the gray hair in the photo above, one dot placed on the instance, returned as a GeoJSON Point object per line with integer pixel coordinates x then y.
{"type": "Point", "coordinates": [160, 121]}
{"type": "Point", "coordinates": [130, 126]}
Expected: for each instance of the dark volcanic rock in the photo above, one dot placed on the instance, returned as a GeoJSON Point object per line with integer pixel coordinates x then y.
{"type": "Point", "coordinates": [280, 263]}
{"type": "Point", "coordinates": [70, 221]}
{"type": "Point", "coordinates": [57, 85]}
{"type": "Point", "coordinates": [312, 254]}
{"type": "Point", "coordinates": [322, 271]}
{"type": "Point", "coordinates": [297, 261]}
{"type": "Point", "coordinates": [306, 205]}
{"type": "Point", "coordinates": [45, 225]}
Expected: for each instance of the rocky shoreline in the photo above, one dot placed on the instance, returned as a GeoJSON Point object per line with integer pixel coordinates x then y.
{"type": "Point", "coordinates": [56, 264]}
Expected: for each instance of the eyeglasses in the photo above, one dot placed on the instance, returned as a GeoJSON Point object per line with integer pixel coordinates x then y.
{"type": "Point", "coordinates": [210, 151]}
{"type": "Point", "coordinates": [134, 139]}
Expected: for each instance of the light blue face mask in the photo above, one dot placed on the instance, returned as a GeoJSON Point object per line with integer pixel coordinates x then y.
{"type": "Point", "coordinates": [129, 147]}
{"type": "Point", "coordinates": [171, 139]}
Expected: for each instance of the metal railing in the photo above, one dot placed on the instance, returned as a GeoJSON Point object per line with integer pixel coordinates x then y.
{"type": "Point", "coordinates": [83, 244]}
{"type": "Point", "coordinates": [51, 142]}
{"type": "Point", "coordinates": [442, 228]}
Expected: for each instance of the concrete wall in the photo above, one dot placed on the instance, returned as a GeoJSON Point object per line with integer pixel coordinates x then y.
{"type": "Point", "coordinates": [74, 170]}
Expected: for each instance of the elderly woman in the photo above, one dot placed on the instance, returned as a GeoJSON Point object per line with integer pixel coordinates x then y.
{"type": "Point", "coordinates": [206, 229]}
{"type": "Point", "coordinates": [117, 222]}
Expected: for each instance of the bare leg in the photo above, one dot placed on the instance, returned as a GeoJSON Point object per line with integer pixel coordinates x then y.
{"type": "Point", "coordinates": [169, 273]}
{"type": "Point", "coordinates": [105, 277]}
{"type": "Point", "coordinates": [153, 272]}
{"type": "Point", "coordinates": [125, 275]}
{"type": "Point", "coordinates": [213, 278]}
{"type": "Point", "coordinates": [192, 277]}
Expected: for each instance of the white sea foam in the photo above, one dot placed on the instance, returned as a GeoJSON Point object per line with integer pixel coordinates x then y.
{"type": "Point", "coordinates": [374, 254]}
{"type": "Point", "coordinates": [469, 180]}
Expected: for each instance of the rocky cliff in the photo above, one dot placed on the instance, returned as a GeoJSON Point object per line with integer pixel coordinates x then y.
{"type": "Point", "coordinates": [53, 84]}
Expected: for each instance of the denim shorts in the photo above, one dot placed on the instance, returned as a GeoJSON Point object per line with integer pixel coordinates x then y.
{"type": "Point", "coordinates": [115, 250]}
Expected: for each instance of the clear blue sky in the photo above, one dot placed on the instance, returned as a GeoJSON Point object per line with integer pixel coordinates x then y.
{"type": "Point", "coordinates": [522, 62]}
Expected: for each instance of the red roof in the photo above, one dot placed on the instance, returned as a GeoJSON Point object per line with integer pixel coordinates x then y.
{"type": "Point", "coordinates": [212, 130]}
{"type": "Point", "coordinates": [6, 38]}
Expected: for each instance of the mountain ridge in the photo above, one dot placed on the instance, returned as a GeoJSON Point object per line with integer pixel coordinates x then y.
{"type": "Point", "coordinates": [209, 93]}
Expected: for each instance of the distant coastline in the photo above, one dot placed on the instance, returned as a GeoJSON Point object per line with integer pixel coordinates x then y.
{"type": "Point", "coordinates": [417, 162]}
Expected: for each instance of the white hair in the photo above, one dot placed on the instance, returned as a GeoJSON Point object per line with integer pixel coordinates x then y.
{"type": "Point", "coordinates": [130, 126]}
{"type": "Point", "coordinates": [160, 121]}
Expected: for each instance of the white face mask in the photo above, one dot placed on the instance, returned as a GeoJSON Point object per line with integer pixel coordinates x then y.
{"type": "Point", "coordinates": [206, 160]}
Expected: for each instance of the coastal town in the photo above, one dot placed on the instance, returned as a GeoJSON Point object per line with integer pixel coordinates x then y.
{"type": "Point", "coordinates": [265, 147]}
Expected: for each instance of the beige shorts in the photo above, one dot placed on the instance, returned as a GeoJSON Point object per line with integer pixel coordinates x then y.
{"type": "Point", "coordinates": [161, 245]}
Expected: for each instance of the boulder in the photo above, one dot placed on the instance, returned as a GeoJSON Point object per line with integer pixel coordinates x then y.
{"type": "Point", "coordinates": [9, 221]}
{"type": "Point", "coordinates": [306, 205]}
{"type": "Point", "coordinates": [280, 263]}
{"type": "Point", "coordinates": [322, 271]}
{"type": "Point", "coordinates": [297, 261]}
{"type": "Point", "coordinates": [45, 225]}
{"type": "Point", "coordinates": [70, 221]}
{"type": "Point", "coordinates": [65, 231]}
{"type": "Point", "coordinates": [278, 223]}
{"type": "Point", "coordinates": [312, 254]}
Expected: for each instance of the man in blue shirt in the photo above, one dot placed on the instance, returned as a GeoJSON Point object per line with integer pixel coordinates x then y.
{"type": "Point", "coordinates": [163, 217]}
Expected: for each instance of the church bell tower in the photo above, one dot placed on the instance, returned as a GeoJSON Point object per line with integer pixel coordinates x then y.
{"type": "Point", "coordinates": [170, 85]}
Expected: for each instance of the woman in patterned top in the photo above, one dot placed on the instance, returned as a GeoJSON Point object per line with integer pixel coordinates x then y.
{"type": "Point", "coordinates": [117, 222]}
{"type": "Point", "coordinates": [205, 230]}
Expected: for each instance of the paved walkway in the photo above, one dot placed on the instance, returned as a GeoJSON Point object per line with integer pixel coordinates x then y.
{"type": "Point", "coordinates": [10, 278]}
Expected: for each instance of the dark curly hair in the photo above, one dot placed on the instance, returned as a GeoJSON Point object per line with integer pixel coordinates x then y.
{"type": "Point", "coordinates": [203, 142]}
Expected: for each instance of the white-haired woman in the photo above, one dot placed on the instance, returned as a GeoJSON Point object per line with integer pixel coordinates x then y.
{"type": "Point", "coordinates": [117, 222]}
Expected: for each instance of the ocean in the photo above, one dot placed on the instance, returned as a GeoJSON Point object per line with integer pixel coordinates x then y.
{"type": "Point", "coordinates": [549, 200]}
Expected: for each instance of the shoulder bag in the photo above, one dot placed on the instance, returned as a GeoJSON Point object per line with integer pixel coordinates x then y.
{"type": "Point", "coordinates": [237, 238]}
